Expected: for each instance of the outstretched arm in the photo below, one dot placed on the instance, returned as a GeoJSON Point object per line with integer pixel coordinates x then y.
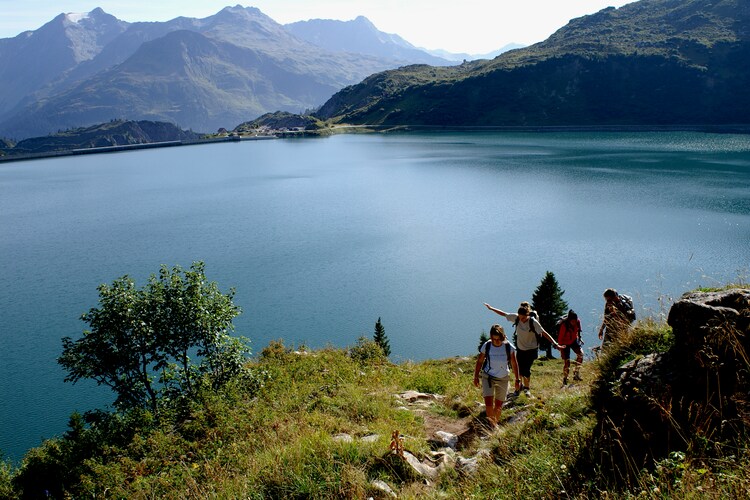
{"type": "Point", "coordinates": [498, 311]}
{"type": "Point", "coordinates": [550, 337]}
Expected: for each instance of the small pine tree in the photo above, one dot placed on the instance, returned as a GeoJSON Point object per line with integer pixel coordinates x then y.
{"type": "Point", "coordinates": [547, 301]}
{"type": "Point", "coordinates": [482, 339]}
{"type": "Point", "coordinates": [381, 339]}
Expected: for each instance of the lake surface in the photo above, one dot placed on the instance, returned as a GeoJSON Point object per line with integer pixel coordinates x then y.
{"type": "Point", "coordinates": [320, 237]}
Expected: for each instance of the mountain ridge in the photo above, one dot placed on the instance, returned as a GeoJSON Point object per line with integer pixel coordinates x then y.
{"type": "Point", "coordinates": [75, 88]}
{"type": "Point", "coordinates": [652, 62]}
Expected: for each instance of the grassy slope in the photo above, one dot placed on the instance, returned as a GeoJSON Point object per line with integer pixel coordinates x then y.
{"type": "Point", "coordinates": [279, 442]}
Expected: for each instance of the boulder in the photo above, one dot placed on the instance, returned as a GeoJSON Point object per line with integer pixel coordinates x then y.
{"type": "Point", "coordinates": [443, 439]}
{"type": "Point", "coordinates": [700, 388]}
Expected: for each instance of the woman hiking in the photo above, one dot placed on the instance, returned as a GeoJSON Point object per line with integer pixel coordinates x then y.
{"type": "Point", "coordinates": [570, 336]}
{"type": "Point", "coordinates": [497, 357]}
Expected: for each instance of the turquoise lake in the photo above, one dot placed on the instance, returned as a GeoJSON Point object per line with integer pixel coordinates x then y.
{"type": "Point", "coordinates": [320, 237]}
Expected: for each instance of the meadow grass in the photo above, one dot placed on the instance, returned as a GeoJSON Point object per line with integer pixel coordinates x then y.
{"type": "Point", "coordinates": [321, 425]}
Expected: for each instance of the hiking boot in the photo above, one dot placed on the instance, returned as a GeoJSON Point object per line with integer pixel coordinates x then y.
{"type": "Point", "coordinates": [565, 380]}
{"type": "Point", "coordinates": [577, 377]}
{"type": "Point", "coordinates": [527, 392]}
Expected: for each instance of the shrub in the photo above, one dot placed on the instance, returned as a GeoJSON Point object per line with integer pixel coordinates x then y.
{"type": "Point", "coordinates": [367, 352]}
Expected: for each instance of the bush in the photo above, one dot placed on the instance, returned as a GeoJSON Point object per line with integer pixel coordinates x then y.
{"type": "Point", "coordinates": [367, 352]}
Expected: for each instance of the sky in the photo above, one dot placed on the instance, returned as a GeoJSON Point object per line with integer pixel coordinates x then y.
{"type": "Point", "coordinates": [462, 26]}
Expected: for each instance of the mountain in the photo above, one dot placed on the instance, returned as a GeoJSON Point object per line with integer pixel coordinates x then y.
{"type": "Point", "coordinates": [199, 73]}
{"type": "Point", "coordinates": [362, 37]}
{"type": "Point", "coordinates": [458, 57]}
{"type": "Point", "coordinates": [652, 62]}
{"type": "Point", "coordinates": [34, 59]}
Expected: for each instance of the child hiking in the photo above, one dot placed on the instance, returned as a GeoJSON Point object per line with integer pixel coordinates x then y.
{"type": "Point", "coordinates": [497, 357]}
{"type": "Point", "coordinates": [527, 329]}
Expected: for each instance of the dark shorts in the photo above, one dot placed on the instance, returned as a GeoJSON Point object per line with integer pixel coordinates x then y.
{"type": "Point", "coordinates": [525, 360]}
{"type": "Point", "coordinates": [575, 347]}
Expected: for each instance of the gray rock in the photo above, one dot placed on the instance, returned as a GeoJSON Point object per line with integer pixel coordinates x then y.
{"type": "Point", "coordinates": [657, 403]}
{"type": "Point", "coordinates": [445, 439]}
{"type": "Point", "coordinates": [383, 487]}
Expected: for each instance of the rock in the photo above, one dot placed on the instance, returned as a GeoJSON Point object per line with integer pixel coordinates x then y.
{"type": "Point", "coordinates": [426, 470]}
{"type": "Point", "coordinates": [700, 387]}
{"type": "Point", "coordinates": [383, 487]}
{"type": "Point", "coordinates": [343, 437]}
{"type": "Point", "coordinates": [471, 465]}
{"type": "Point", "coordinates": [418, 397]}
{"type": "Point", "coordinates": [444, 439]}
{"type": "Point", "coordinates": [370, 438]}
{"type": "Point", "coordinates": [409, 468]}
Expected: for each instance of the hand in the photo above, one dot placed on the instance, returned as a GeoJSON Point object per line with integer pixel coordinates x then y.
{"type": "Point", "coordinates": [476, 381]}
{"type": "Point", "coordinates": [560, 347]}
{"type": "Point", "coordinates": [488, 306]}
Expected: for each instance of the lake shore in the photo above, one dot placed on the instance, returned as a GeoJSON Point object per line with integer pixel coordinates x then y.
{"type": "Point", "coordinates": [130, 147]}
{"type": "Point", "coordinates": [342, 129]}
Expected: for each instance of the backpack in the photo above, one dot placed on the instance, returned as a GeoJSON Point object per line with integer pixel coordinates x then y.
{"type": "Point", "coordinates": [486, 366]}
{"type": "Point", "coordinates": [626, 307]}
{"type": "Point", "coordinates": [558, 327]}
{"type": "Point", "coordinates": [532, 316]}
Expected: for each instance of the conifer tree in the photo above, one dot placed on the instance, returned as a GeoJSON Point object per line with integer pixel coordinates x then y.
{"type": "Point", "coordinates": [483, 338]}
{"type": "Point", "coordinates": [381, 339]}
{"type": "Point", "coordinates": [547, 301]}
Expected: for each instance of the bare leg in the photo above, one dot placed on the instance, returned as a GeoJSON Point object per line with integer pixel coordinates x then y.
{"type": "Point", "coordinates": [577, 369]}
{"type": "Point", "coordinates": [498, 410]}
{"type": "Point", "coordinates": [489, 405]}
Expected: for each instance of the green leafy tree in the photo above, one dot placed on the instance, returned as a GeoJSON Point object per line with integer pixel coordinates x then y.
{"type": "Point", "coordinates": [381, 339]}
{"type": "Point", "coordinates": [547, 301]}
{"type": "Point", "coordinates": [141, 341]}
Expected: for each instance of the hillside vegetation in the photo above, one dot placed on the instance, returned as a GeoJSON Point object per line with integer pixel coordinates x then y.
{"type": "Point", "coordinates": [652, 62]}
{"type": "Point", "coordinates": [321, 427]}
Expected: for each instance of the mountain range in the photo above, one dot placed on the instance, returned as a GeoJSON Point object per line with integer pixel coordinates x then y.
{"type": "Point", "coordinates": [202, 74]}
{"type": "Point", "coordinates": [651, 62]}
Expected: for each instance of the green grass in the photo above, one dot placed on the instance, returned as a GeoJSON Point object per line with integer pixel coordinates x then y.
{"type": "Point", "coordinates": [280, 442]}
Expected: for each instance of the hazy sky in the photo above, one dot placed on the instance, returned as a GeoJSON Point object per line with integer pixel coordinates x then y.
{"type": "Point", "coordinates": [473, 26]}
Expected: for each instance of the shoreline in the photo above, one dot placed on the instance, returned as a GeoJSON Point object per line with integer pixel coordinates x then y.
{"type": "Point", "coordinates": [130, 147]}
{"type": "Point", "coordinates": [345, 128]}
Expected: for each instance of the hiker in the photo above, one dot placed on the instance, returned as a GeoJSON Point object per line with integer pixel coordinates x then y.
{"type": "Point", "coordinates": [569, 334]}
{"type": "Point", "coordinates": [544, 344]}
{"type": "Point", "coordinates": [496, 358]}
{"type": "Point", "coordinates": [618, 314]}
{"type": "Point", "coordinates": [527, 330]}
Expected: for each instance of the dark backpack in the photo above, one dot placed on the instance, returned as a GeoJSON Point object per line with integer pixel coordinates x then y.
{"type": "Point", "coordinates": [626, 307]}
{"type": "Point", "coordinates": [486, 365]}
